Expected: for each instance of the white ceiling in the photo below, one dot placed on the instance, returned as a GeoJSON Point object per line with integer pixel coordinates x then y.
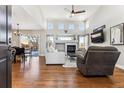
{"type": "Point", "coordinates": [58, 12]}
{"type": "Point", "coordinates": [34, 17]}
{"type": "Point", "coordinates": [29, 17]}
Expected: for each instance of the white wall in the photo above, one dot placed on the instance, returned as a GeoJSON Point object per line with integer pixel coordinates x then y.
{"type": "Point", "coordinates": [28, 17]}
{"type": "Point", "coordinates": [109, 16]}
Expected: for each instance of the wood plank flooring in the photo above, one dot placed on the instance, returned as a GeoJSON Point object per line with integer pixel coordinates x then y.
{"type": "Point", "coordinates": [35, 74]}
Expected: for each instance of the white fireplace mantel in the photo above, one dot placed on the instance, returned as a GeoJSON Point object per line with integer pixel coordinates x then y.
{"type": "Point", "coordinates": [62, 45]}
{"type": "Point", "coordinates": [66, 41]}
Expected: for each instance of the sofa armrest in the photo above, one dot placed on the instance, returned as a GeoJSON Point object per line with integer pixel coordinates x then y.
{"type": "Point", "coordinates": [80, 59]}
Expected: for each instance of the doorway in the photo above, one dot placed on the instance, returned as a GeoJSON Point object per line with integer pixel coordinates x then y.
{"type": "Point", "coordinates": [30, 42]}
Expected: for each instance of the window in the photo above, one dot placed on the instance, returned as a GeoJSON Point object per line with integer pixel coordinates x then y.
{"type": "Point", "coordinates": [87, 24]}
{"type": "Point", "coordinates": [50, 26]}
{"type": "Point", "coordinates": [24, 39]}
{"type": "Point", "coordinates": [61, 26]}
{"type": "Point", "coordinates": [33, 39]}
{"type": "Point", "coordinates": [83, 41]}
{"type": "Point", "coordinates": [81, 27]}
{"type": "Point", "coordinates": [50, 38]}
{"type": "Point", "coordinates": [71, 27]}
{"type": "Point", "coordinates": [86, 41]}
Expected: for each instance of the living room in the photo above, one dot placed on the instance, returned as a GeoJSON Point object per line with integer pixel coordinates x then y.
{"type": "Point", "coordinates": [64, 37]}
{"type": "Point", "coordinates": [64, 30]}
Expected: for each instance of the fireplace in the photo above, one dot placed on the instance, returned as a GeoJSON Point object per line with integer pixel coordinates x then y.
{"type": "Point", "coordinates": [71, 48]}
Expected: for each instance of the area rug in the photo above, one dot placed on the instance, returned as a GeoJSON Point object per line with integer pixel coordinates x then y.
{"type": "Point", "coordinates": [70, 63]}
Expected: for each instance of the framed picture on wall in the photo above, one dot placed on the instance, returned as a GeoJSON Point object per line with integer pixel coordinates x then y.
{"type": "Point", "coordinates": [117, 34]}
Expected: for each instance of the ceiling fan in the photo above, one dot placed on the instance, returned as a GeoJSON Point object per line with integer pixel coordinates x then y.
{"type": "Point", "coordinates": [73, 12]}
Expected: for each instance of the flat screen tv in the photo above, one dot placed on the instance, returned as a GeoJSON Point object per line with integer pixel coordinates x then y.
{"type": "Point", "coordinates": [97, 37]}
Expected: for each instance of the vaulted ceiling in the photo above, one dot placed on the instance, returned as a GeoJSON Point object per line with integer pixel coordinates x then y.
{"type": "Point", "coordinates": [29, 17]}
{"type": "Point", "coordinates": [35, 17]}
{"type": "Point", "coordinates": [58, 12]}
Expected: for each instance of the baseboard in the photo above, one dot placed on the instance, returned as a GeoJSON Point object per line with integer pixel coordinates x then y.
{"type": "Point", "coordinates": [119, 66]}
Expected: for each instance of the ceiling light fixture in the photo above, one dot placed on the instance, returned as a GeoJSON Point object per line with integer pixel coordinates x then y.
{"type": "Point", "coordinates": [17, 33]}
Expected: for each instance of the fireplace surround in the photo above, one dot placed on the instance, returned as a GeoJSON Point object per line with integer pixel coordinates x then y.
{"type": "Point", "coordinates": [71, 49]}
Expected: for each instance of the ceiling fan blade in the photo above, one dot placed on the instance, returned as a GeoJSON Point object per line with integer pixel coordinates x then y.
{"type": "Point", "coordinates": [66, 9]}
{"type": "Point", "coordinates": [82, 11]}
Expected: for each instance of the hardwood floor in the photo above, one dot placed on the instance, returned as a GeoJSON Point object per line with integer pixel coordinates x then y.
{"type": "Point", "coordinates": [36, 74]}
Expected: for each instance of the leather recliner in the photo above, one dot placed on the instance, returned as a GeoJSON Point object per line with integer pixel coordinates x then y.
{"type": "Point", "coordinates": [98, 61]}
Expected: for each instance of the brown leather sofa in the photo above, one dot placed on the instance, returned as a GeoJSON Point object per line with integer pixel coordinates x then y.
{"type": "Point", "coordinates": [98, 61]}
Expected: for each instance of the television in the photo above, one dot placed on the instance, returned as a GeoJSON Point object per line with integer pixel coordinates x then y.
{"type": "Point", "coordinates": [97, 37]}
